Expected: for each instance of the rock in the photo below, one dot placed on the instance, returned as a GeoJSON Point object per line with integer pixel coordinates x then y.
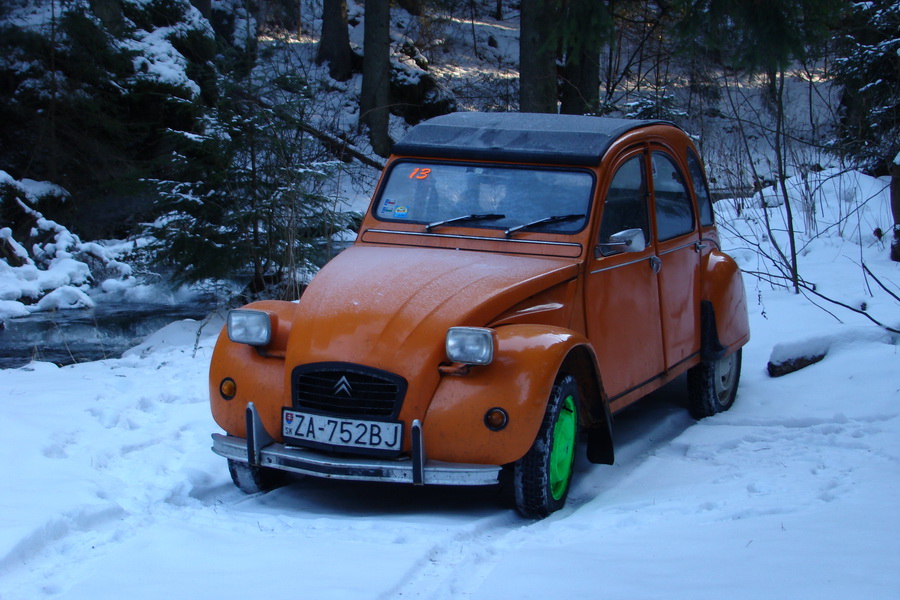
{"type": "Point", "coordinates": [787, 357]}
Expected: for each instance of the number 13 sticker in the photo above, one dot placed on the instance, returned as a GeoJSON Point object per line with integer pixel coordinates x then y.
{"type": "Point", "coordinates": [419, 173]}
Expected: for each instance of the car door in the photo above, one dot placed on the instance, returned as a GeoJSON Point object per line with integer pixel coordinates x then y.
{"type": "Point", "coordinates": [621, 289]}
{"type": "Point", "coordinates": [677, 243]}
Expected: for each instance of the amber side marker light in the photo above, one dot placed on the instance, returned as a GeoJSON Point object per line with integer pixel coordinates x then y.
{"type": "Point", "coordinates": [496, 419]}
{"type": "Point", "coordinates": [228, 388]}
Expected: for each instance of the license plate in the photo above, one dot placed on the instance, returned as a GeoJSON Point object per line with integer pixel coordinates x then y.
{"type": "Point", "coordinates": [319, 430]}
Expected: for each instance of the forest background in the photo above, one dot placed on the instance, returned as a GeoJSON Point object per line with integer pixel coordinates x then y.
{"type": "Point", "coordinates": [235, 141]}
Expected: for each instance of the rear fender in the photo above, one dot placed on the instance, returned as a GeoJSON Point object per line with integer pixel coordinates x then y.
{"type": "Point", "coordinates": [724, 318]}
{"type": "Point", "coordinates": [519, 380]}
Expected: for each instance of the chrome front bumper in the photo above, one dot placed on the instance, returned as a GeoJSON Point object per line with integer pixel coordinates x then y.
{"type": "Point", "coordinates": [261, 450]}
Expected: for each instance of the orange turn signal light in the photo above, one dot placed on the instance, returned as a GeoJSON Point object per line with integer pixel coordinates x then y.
{"type": "Point", "coordinates": [228, 388]}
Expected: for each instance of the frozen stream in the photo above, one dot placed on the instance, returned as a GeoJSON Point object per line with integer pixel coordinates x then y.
{"type": "Point", "coordinates": [71, 336]}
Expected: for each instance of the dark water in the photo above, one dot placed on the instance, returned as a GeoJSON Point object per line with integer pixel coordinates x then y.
{"type": "Point", "coordinates": [70, 336]}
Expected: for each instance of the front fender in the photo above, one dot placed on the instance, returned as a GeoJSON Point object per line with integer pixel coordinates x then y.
{"type": "Point", "coordinates": [259, 375]}
{"type": "Point", "coordinates": [519, 380]}
{"type": "Point", "coordinates": [723, 288]}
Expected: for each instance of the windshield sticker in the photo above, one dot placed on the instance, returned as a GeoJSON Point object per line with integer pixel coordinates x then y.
{"type": "Point", "coordinates": [420, 173]}
{"type": "Point", "coordinates": [388, 206]}
{"type": "Point", "coordinates": [401, 212]}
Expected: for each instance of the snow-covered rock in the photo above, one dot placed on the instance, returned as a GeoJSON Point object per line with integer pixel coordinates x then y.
{"type": "Point", "coordinates": [45, 266]}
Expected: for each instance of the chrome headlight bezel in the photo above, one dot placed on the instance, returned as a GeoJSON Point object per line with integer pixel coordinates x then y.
{"type": "Point", "coordinates": [471, 345]}
{"type": "Point", "coordinates": [251, 327]}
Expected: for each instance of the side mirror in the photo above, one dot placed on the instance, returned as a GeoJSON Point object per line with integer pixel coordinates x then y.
{"type": "Point", "coordinates": [629, 240]}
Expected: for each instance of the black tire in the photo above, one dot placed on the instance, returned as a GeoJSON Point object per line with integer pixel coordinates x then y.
{"type": "Point", "coordinates": [712, 386]}
{"type": "Point", "coordinates": [251, 479]}
{"type": "Point", "coordinates": [541, 478]}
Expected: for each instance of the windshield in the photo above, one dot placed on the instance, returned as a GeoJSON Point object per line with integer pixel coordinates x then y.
{"type": "Point", "coordinates": [496, 197]}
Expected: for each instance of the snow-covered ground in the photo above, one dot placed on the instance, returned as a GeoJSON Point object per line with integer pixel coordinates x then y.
{"type": "Point", "coordinates": [110, 489]}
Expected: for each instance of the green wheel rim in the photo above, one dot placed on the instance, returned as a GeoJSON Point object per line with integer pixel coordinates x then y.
{"type": "Point", "coordinates": [562, 453]}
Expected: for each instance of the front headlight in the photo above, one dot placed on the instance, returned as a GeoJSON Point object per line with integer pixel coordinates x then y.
{"type": "Point", "coordinates": [470, 345]}
{"type": "Point", "coordinates": [251, 327]}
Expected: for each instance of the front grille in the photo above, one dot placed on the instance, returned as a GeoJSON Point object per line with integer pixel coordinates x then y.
{"type": "Point", "coordinates": [347, 390]}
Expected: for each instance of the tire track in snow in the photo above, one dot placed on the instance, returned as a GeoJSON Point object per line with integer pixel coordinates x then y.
{"type": "Point", "coordinates": [70, 529]}
{"type": "Point", "coordinates": [458, 566]}
{"type": "Point", "coordinates": [125, 459]}
{"type": "Point", "coordinates": [52, 555]}
{"type": "Point", "coordinates": [453, 567]}
{"type": "Point", "coordinates": [46, 560]}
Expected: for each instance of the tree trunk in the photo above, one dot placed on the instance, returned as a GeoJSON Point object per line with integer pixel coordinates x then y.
{"type": "Point", "coordinates": [110, 14]}
{"type": "Point", "coordinates": [204, 6]}
{"type": "Point", "coordinates": [374, 99]}
{"type": "Point", "coordinates": [334, 47]}
{"type": "Point", "coordinates": [413, 7]}
{"type": "Point", "coordinates": [580, 87]}
{"type": "Point", "coordinates": [537, 57]}
{"type": "Point", "coordinates": [895, 208]}
{"type": "Point", "coordinates": [580, 81]}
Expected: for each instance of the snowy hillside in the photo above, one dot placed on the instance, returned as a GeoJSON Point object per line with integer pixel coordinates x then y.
{"type": "Point", "coordinates": [111, 491]}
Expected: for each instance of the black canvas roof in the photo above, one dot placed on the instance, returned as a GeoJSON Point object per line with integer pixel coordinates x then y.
{"type": "Point", "coordinates": [521, 137]}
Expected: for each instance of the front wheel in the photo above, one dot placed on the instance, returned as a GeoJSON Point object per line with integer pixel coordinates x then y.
{"type": "Point", "coordinates": [251, 479]}
{"type": "Point", "coordinates": [713, 385]}
{"type": "Point", "coordinates": [541, 478]}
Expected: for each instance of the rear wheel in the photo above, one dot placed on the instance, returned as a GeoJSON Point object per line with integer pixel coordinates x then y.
{"type": "Point", "coordinates": [251, 479]}
{"type": "Point", "coordinates": [713, 385]}
{"type": "Point", "coordinates": [542, 477]}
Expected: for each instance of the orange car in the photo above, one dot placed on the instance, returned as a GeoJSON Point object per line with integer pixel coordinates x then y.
{"type": "Point", "coordinates": [517, 280]}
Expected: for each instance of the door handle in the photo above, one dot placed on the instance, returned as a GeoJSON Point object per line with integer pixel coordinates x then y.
{"type": "Point", "coordinates": [655, 263]}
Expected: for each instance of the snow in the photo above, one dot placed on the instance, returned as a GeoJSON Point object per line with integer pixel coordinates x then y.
{"type": "Point", "coordinates": [65, 296]}
{"type": "Point", "coordinates": [111, 490]}
{"type": "Point", "coordinates": [158, 60]}
{"type": "Point", "coordinates": [35, 189]}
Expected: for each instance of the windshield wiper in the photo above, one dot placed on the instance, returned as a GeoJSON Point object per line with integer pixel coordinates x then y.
{"type": "Point", "coordinates": [544, 221]}
{"type": "Point", "coordinates": [473, 217]}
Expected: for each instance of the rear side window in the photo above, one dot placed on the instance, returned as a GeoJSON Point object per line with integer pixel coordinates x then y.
{"type": "Point", "coordinates": [674, 210]}
{"type": "Point", "coordinates": [704, 202]}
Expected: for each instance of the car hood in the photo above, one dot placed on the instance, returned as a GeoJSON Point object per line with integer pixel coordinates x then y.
{"type": "Point", "coordinates": [390, 307]}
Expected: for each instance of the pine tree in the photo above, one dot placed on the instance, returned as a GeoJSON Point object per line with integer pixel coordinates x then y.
{"type": "Point", "coordinates": [253, 208]}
